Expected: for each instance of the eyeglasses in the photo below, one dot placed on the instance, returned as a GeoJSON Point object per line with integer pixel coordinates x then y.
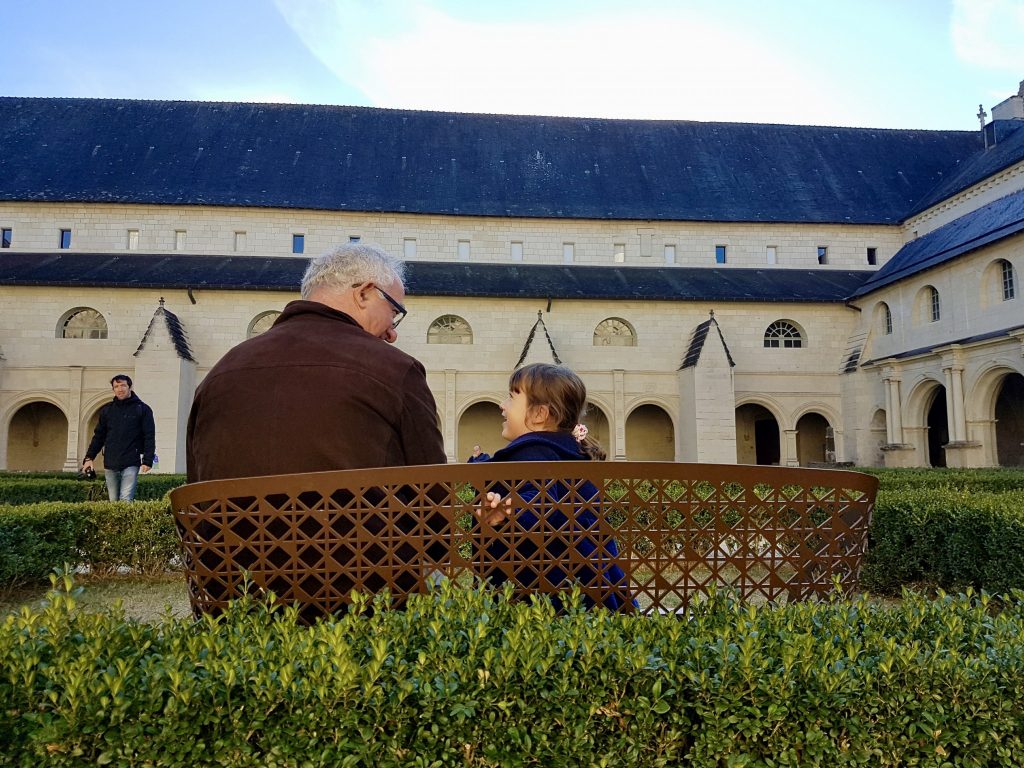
{"type": "Point", "coordinates": [400, 311]}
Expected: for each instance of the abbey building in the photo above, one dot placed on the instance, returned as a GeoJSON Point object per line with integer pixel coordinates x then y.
{"type": "Point", "coordinates": [729, 292]}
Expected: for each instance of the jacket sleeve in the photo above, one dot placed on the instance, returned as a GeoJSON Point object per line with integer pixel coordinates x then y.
{"type": "Point", "coordinates": [99, 437]}
{"type": "Point", "coordinates": [148, 436]}
{"type": "Point", "coordinates": [420, 434]}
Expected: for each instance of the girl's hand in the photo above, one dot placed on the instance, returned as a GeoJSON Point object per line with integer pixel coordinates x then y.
{"type": "Point", "coordinates": [492, 511]}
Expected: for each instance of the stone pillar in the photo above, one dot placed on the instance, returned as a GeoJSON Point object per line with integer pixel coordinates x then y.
{"type": "Point", "coordinates": [789, 454]}
{"type": "Point", "coordinates": [619, 426]}
{"type": "Point", "coordinates": [75, 378]}
{"type": "Point", "coordinates": [955, 403]}
{"type": "Point", "coordinates": [893, 410]}
{"type": "Point", "coordinates": [450, 425]}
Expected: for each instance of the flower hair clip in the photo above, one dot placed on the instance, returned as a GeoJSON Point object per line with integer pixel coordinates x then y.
{"type": "Point", "coordinates": [580, 432]}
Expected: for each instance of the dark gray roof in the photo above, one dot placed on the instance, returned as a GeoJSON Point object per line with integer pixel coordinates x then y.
{"type": "Point", "coordinates": [700, 335]}
{"type": "Point", "coordinates": [963, 341]}
{"type": "Point", "coordinates": [999, 219]}
{"type": "Point", "coordinates": [175, 330]}
{"type": "Point", "coordinates": [429, 278]}
{"type": "Point", "coordinates": [530, 338]}
{"type": "Point", "coordinates": [1009, 151]}
{"type": "Point", "coordinates": [365, 159]}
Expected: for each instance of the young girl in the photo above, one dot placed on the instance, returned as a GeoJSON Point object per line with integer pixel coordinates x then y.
{"type": "Point", "coordinates": [542, 416]}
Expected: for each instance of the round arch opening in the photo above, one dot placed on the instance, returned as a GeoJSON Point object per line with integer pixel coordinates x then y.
{"type": "Point", "coordinates": [650, 435]}
{"type": "Point", "coordinates": [757, 436]}
{"type": "Point", "coordinates": [1009, 415]}
{"type": "Point", "coordinates": [37, 438]}
{"type": "Point", "coordinates": [480, 424]}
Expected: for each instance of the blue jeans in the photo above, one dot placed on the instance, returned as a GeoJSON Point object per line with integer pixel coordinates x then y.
{"type": "Point", "coordinates": [121, 483]}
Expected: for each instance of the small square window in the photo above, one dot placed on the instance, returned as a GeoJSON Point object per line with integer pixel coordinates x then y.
{"type": "Point", "coordinates": [823, 254]}
{"type": "Point", "coordinates": [5, 238]}
{"type": "Point", "coordinates": [298, 243]}
{"type": "Point", "coordinates": [354, 238]}
{"type": "Point", "coordinates": [179, 239]}
{"type": "Point", "coordinates": [463, 250]}
{"type": "Point", "coordinates": [872, 257]}
{"type": "Point", "coordinates": [619, 253]}
{"type": "Point", "coordinates": [771, 254]}
{"type": "Point", "coordinates": [239, 241]}
{"type": "Point", "coordinates": [720, 254]}
{"type": "Point", "coordinates": [409, 248]}
{"type": "Point", "coordinates": [65, 239]}
{"type": "Point", "coordinates": [568, 253]}
{"type": "Point", "coordinates": [133, 239]}
{"type": "Point", "coordinates": [670, 254]}
{"type": "Point", "coordinates": [516, 251]}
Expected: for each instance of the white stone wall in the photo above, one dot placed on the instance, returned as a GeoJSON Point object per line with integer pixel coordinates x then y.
{"type": "Point", "coordinates": [103, 228]}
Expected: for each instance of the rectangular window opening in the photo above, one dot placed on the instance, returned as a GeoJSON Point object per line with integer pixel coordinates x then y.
{"type": "Point", "coordinates": [5, 238]}
{"type": "Point", "coordinates": [823, 254]}
{"type": "Point", "coordinates": [463, 250]}
{"type": "Point", "coordinates": [409, 248]}
{"type": "Point", "coordinates": [65, 239]}
{"type": "Point", "coordinates": [298, 243]}
{"type": "Point", "coordinates": [619, 253]}
{"type": "Point", "coordinates": [133, 239]}
{"type": "Point", "coordinates": [516, 250]}
{"type": "Point", "coordinates": [872, 257]}
{"type": "Point", "coordinates": [720, 254]}
{"type": "Point", "coordinates": [179, 239]}
{"type": "Point", "coordinates": [670, 254]}
{"type": "Point", "coordinates": [772, 254]}
{"type": "Point", "coordinates": [568, 253]}
{"type": "Point", "coordinates": [239, 241]}
{"type": "Point", "coordinates": [354, 238]}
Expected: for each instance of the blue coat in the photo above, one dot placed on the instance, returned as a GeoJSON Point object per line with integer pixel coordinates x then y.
{"type": "Point", "coordinates": [562, 446]}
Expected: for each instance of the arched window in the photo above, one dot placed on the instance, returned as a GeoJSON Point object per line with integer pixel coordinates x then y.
{"type": "Point", "coordinates": [883, 318]}
{"type": "Point", "coordinates": [614, 332]}
{"type": "Point", "coordinates": [82, 323]}
{"type": "Point", "coordinates": [449, 329]}
{"type": "Point", "coordinates": [261, 323]}
{"type": "Point", "coordinates": [783, 333]}
{"type": "Point", "coordinates": [935, 307]}
{"type": "Point", "coordinates": [1009, 289]}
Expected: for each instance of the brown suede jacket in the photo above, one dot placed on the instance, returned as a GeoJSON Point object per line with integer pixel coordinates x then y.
{"type": "Point", "coordinates": [315, 392]}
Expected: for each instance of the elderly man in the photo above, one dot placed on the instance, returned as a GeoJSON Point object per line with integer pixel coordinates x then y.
{"type": "Point", "coordinates": [323, 388]}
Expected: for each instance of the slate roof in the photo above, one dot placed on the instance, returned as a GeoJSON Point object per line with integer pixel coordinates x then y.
{"type": "Point", "coordinates": [1008, 151]}
{"type": "Point", "coordinates": [366, 159]}
{"type": "Point", "coordinates": [428, 278]}
{"type": "Point", "coordinates": [175, 330]}
{"type": "Point", "coordinates": [700, 335]}
{"type": "Point", "coordinates": [963, 342]}
{"type": "Point", "coordinates": [999, 219]}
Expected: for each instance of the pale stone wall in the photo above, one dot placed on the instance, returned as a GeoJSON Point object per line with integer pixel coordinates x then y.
{"type": "Point", "coordinates": [622, 381]}
{"type": "Point", "coordinates": [103, 228]}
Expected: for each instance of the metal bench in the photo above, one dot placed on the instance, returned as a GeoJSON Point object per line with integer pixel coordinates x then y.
{"type": "Point", "coordinates": [674, 530]}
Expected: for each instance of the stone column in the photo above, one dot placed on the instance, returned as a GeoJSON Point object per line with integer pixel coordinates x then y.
{"type": "Point", "coordinates": [893, 410]}
{"type": "Point", "coordinates": [619, 427]}
{"type": "Point", "coordinates": [450, 424]}
{"type": "Point", "coordinates": [955, 403]}
{"type": "Point", "coordinates": [789, 455]}
{"type": "Point", "coordinates": [75, 378]}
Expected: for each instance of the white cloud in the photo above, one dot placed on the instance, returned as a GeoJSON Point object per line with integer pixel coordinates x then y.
{"type": "Point", "coordinates": [644, 63]}
{"type": "Point", "coordinates": [989, 34]}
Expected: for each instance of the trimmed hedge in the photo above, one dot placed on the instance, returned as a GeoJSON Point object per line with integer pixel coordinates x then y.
{"type": "Point", "coordinates": [20, 489]}
{"type": "Point", "coordinates": [465, 677]}
{"type": "Point", "coordinates": [103, 535]}
{"type": "Point", "coordinates": [993, 480]}
{"type": "Point", "coordinates": [948, 538]}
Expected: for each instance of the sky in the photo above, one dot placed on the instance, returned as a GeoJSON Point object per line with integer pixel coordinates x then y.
{"type": "Point", "coordinates": [866, 63]}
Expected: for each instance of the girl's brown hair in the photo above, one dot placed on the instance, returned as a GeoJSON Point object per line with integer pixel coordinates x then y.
{"type": "Point", "coordinates": [564, 394]}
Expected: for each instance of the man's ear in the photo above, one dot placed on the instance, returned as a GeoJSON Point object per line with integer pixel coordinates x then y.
{"type": "Point", "coordinates": [361, 295]}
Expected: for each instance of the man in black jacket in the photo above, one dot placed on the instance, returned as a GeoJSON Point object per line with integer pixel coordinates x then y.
{"type": "Point", "coordinates": [127, 435]}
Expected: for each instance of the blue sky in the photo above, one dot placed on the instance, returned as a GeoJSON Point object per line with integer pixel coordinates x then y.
{"type": "Point", "coordinates": [874, 63]}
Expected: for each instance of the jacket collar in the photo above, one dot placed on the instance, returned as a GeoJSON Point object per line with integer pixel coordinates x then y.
{"type": "Point", "coordinates": [302, 307]}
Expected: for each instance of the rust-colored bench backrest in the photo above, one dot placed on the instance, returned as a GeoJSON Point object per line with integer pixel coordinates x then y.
{"type": "Point", "coordinates": [671, 529]}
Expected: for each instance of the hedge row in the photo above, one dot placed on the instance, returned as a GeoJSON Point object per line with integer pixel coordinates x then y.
{"type": "Point", "coordinates": [101, 535]}
{"type": "Point", "coordinates": [467, 678]}
{"type": "Point", "coordinates": [21, 489]}
{"type": "Point", "coordinates": [938, 537]}
{"type": "Point", "coordinates": [993, 480]}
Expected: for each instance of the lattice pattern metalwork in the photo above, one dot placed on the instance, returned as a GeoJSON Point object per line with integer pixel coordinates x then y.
{"type": "Point", "coordinates": [636, 536]}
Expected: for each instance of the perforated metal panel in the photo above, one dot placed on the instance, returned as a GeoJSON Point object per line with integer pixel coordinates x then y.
{"type": "Point", "coordinates": [644, 536]}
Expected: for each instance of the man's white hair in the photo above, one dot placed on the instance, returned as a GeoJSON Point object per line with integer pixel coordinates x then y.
{"type": "Point", "coordinates": [346, 265]}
